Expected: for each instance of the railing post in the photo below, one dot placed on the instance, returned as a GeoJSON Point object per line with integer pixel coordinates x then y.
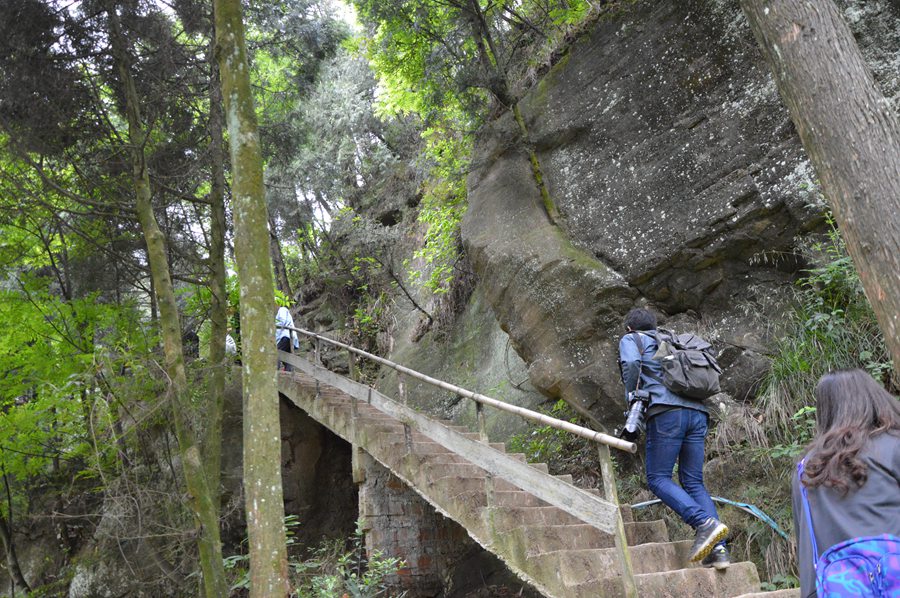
{"type": "Point", "coordinates": [352, 365]}
{"type": "Point", "coordinates": [357, 468]}
{"type": "Point", "coordinates": [401, 388]}
{"type": "Point", "coordinates": [407, 436]}
{"type": "Point", "coordinates": [318, 351]}
{"type": "Point", "coordinates": [482, 433]}
{"type": "Point", "coordinates": [612, 496]}
{"type": "Point", "coordinates": [482, 428]}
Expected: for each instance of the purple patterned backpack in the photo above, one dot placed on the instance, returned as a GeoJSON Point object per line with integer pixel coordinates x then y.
{"type": "Point", "coordinates": [859, 567]}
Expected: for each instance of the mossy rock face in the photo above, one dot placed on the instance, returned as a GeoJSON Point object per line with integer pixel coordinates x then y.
{"type": "Point", "coordinates": [549, 296]}
{"type": "Point", "coordinates": [475, 354]}
{"type": "Point", "coordinates": [664, 147]}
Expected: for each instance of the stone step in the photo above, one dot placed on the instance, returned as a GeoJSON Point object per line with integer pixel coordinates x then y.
{"type": "Point", "coordinates": [645, 532]}
{"type": "Point", "coordinates": [437, 459]}
{"type": "Point", "coordinates": [453, 485]}
{"type": "Point", "coordinates": [627, 513]}
{"type": "Point", "coordinates": [540, 539]}
{"type": "Point", "coordinates": [419, 447]}
{"type": "Point", "coordinates": [477, 437]}
{"type": "Point", "coordinates": [460, 469]}
{"type": "Point", "coordinates": [464, 470]}
{"type": "Point", "coordinates": [788, 593]}
{"type": "Point", "coordinates": [574, 567]}
{"type": "Point", "coordinates": [738, 579]}
{"type": "Point", "coordinates": [517, 498]}
{"type": "Point", "coordinates": [374, 415]}
{"type": "Point", "coordinates": [640, 532]}
{"type": "Point", "coordinates": [380, 425]}
{"type": "Point", "coordinates": [553, 538]}
{"type": "Point", "coordinates": [566, 477]}
{"type": "Point", "coordinates": [505, 518]}
{"type": "Point", "coordinates": [472, 493]}
{"type": "Point", "coordinates": [555, 516]}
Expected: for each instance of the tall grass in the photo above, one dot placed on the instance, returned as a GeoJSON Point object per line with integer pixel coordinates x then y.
{"type": "Point", "coordinates": [833, 326]}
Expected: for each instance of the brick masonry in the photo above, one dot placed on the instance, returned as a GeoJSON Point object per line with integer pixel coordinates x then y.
{"type": "Point", "coordinates": [401, 524]}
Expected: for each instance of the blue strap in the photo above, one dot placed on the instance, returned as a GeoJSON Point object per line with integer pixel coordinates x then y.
{"type": "Point", "coordinates": [809, 523]}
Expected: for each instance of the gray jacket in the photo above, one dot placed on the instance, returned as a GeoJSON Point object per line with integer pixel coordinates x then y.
{"type": "Point", "coordinates": [871, 510]}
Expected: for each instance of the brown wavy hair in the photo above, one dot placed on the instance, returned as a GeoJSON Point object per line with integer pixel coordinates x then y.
{"type": "Point", "coordinates": [851, 408]}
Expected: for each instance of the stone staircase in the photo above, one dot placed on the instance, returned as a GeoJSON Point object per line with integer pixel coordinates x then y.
{"type": "Point", "coordinates": [554, 551]}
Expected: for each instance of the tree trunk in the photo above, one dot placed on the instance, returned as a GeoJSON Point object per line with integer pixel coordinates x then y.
{"type": "Point", "coordinates": [218, 309]}
{"type": "Point", "coordinates": [278, 261]}
{"type": "Point", "coordinates": [12, 561]}
{"type": "Point", "coordinates": [487, 54]}
{"type": "Point", "coordinates": [850, 134]}
{"type": "Point", "coordinates": [262, 441]}
{"type": "Point", "coordinates": [206, 516]}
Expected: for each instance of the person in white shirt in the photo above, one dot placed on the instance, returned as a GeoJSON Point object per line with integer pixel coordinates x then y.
{"type": "Point", "coordinates": [285, 339]}
{"type": "Point", "coordinates": [230, 346]}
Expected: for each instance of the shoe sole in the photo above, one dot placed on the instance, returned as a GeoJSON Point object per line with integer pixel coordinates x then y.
{"type": "Point", "coordinates": [718, 535]}
{"type": "Point", "coordinates": [718, 566]}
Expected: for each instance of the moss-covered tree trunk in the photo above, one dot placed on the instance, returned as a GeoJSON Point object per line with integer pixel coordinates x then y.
{"type": "Point", "coordinates": [206, 515]}
{"type": "Point", "coordinates": [262, 440]}
{"type": "Point", "coordinates": [849, 132]}
{"type": "Point", "coordinates": [212, 446]}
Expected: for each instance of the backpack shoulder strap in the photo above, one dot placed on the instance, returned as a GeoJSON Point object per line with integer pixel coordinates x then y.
{"type": "Point", "coordinates": [638, 342]}
{"type": "Point", "coordinates": [805, 500]}
{"type": "Point", "coordinates": [640, 345]}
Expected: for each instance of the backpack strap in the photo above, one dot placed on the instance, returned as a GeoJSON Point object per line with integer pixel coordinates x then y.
{"type": "Point", "coordinates": [638, 342]}
{"type": "Point", "coordinates": [805, 500]}
{"type": "Point", "coordinates": [640, 346]}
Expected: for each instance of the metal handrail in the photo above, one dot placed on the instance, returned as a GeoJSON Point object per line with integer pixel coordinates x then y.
{"type": "Point", "coordinates": [528, 414]}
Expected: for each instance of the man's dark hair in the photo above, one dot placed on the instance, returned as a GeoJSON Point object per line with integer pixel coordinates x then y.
{"type": "Point", "coordinates": [640, 319]}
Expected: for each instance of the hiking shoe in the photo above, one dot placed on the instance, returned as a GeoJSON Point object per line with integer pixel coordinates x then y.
{"type": "Point", "coordinates": [718, 558]}
{"type": "Point", "coordinates": [709, 533]}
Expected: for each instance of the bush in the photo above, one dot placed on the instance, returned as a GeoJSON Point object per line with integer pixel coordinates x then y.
{"type": "Point", "coordinates": [331, 571]}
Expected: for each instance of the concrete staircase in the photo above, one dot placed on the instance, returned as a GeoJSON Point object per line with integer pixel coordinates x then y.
{"type": "Point", "coordinates": [544, 545]}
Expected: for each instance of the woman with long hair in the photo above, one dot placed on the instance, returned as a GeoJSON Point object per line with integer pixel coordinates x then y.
{"type": "Point", "coordinates": [851, 470]}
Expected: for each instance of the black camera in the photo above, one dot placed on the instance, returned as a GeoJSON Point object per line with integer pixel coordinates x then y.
{"type": "Point", "coordinates": [638, 401]}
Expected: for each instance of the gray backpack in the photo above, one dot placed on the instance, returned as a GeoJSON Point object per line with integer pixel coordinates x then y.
{"type": "Point", "coordinates": [688, 363]}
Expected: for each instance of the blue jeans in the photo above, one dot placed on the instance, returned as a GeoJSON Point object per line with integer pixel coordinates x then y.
{"type": "Point", "coordinates": [679, 434]}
